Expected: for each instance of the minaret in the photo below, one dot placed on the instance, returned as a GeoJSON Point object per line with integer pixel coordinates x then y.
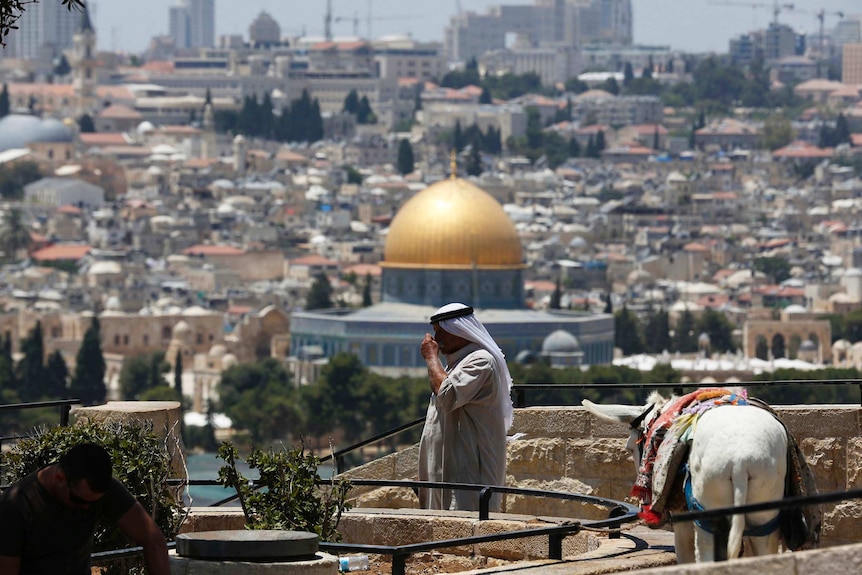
{"type": "Point", "coordinates": [84, 64]}
{"type": "Point", "coordinates": [208, 137]}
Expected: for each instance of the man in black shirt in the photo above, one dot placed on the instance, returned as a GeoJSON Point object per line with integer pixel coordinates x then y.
{"type": "Point", "coordinates": [47, 519]}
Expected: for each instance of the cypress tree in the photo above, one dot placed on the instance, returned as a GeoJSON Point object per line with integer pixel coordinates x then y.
{"type": "Point", "coordinates": [366, 291]}
{"type": "Point", "coordinates": [178, 373]}
{"type": "Point", "coordinates": [88, 382]}
{"type": "Point", "coordinates": [405, 157]}
{"type": "Point", "coordinates": [58, 374]}
{"type": "Point", "coordinates": [31, 375]}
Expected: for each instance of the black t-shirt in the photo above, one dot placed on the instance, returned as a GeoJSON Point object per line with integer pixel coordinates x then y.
{"type": "Point", "coordinates": [49, 537]}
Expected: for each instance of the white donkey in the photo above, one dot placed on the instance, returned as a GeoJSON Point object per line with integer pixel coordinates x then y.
{"type": "Point", "coordinates": [738, 456]}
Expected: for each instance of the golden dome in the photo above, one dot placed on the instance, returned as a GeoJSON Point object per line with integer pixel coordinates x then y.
{"type": "Point", "coordinates": [452, 224]}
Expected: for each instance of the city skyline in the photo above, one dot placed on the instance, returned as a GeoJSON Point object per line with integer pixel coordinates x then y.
{"type": "Point", "coordinates": [129, 26]}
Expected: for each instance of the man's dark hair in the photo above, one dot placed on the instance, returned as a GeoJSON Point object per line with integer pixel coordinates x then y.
{"type": "Point", "coordinates": [88, 461]}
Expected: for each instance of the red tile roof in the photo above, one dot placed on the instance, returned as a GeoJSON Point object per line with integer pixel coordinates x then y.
{"type": "Point", "coordinates": [60, 252]}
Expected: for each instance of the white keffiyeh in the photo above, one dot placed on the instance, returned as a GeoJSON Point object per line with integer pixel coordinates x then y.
{"type": "Point", "coordinates": [471, 329]}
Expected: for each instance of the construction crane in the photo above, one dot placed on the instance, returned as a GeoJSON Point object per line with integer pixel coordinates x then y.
{"type": "Point", "coordinates": [354, 19]}
{"type": "Point", "coordinates": [821, 16]}
{"type": "Point", "coordinates": [327, 21]}
{"type": "Point", "coordinates": [775, 6]}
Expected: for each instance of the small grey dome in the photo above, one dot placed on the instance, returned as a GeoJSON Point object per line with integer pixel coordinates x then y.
{"type": "Point", "coordinates": [560, 341]}
{"type": "Point", "coordinates": [18, 130]}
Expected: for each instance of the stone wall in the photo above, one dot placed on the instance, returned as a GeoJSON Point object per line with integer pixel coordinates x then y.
{"type": "Point", "coordinates": [568, 449]}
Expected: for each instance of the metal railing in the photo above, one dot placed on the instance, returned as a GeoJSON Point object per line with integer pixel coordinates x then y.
{"type": "Point", "coordinates": [520, 390]}
{"type": "Point", "coordinates": [64, 405]}
{"type": "Point", "coordinates": [721, 524]}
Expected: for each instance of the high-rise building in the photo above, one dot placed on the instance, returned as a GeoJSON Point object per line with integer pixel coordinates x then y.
{"type": "Point", "coordinates": [851, 67]}
{"type": "Point", "coordinates": [192, 23]}
{"type": "Point", "coordinates": [45, 30]}
{"type": "Point", "coordinates": [572, 23]}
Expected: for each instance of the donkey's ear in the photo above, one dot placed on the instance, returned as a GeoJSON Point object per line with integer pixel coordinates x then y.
{"type": "Point", "coordinates": [613, 412]}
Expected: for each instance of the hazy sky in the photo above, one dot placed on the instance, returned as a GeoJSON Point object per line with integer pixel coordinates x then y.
{"type": "Point", "coordinates": [691, 25]}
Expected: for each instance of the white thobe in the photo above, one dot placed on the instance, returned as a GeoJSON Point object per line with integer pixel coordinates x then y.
{"type": "Point", "coordinates": [464, 438]}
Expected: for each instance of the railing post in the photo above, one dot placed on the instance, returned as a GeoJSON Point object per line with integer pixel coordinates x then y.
{"type": "Point", "coordinates": [721, 525]}
{"type": "Point", "coordinates": [398, 563]}
{"type": "Point", "coordinates": [339, 464]}
{"type": "Point", "coordinates": [520, 399]}
{"type": "Point", "coordinates": [615, 529]}
{"type": "Point", "coordinates": [64, 415]}
{"type": "Point", "coordinates": [485, 502]}
{"type": "Point", "coordinates": [555, 545]}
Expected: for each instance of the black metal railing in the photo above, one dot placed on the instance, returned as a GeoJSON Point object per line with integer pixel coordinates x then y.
{"type": "Point", "coordinates": [520, 390]}
{"type": "Point", "coordinates": [619, 512]}
{"type": "Point", "coordinates": [721, 524]}
{"type": "Point", "coordinates": [64, 405]}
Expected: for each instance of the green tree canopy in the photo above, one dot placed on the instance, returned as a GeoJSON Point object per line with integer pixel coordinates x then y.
{"type": "Point", "coordinates": [627, 332]}
{"type": "Point", "coordinates": [260, 398]}
{"type": "Point", "coordinates": [775, 267]}
{"type": "Point", "coordinates": [320, 294]}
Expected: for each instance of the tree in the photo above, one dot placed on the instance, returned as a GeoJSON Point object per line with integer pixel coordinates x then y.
{"type": "Point", "coordinates": [366, 291]}
{"type": "Point", "coordinates": [178, 373]}
{"type": "Point", "coordinates": [88, 382]}
{"type": "Point", "coordinates": [458, 137]}
{"type": "Point", "coordinates": [31, 376]}
{"type": "Point", "coordinates": [574, 147]}
{"type": "Point", "coordinates": [557, 296]}
{"type": "Point", "coordinates": [405, 157]}
{"type": "Point", "coordinates": [365, 115]}
{"type": "Point", "coordinates": [718, 328]}
{"type": "Point", "coordinates": [12, 10]}
{"type": "Point", "coordinates": [684, 337]}
{"type": "Point", "coordinates": [320, 294]}
{"type": "Point", "coordinates": [776, 268]}
{"type": "Point", "coordinates": [485, 98]}
{"type": "Point", "coordinates": [335, 398]}
{"type": "Point", "coordinates": [61, 66]}
{"type": "Point", "coordinates": [627, 334]}
{"type": "Point", "coordinates": [777, 131]}
{"type": "Point", "coordinates": [4, 101]}
{"type": "Point", "coordinates": [628, 74]}
{"type": "Point", "coordinates": [600, 141]}
{"type": "Point", "coordinates": [657, 332]}
{"type": "Point", "coordinates": [260, 398]}
{"type": "Point", "coordinates": [58, 374]}
{"type": "Point", "coordinates": [14, 234]}
{"type": "Point", "coordinates": [351, 103]}
{"type": "Point", "coordinates": [611, 86]}
{"type": "Point", "coordinates": [141, 373]}
{"type": "Point", "coordinates": [86, 125]}
{"type": "Point", "coordinates": [474, 161]}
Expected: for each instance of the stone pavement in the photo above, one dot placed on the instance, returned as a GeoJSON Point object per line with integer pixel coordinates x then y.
{"type": "Point", "coordinates": [639, 548]}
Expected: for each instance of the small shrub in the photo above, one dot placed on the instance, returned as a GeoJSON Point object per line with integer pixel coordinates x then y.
{"type": "Point", "coordinates": [141, 462]}
{"type": "Point", "coordinates": [294, 497]}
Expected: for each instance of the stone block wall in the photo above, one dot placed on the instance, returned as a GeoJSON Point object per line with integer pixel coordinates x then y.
{"type": "Point", "coordinates": [568, 449]}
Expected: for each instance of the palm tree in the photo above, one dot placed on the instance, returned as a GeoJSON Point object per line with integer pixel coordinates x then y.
{"type": "Point", "coordinates": [14, 233]}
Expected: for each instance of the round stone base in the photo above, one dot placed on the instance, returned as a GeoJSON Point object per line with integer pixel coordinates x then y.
{"type": "Point", "coordinates": [322, 564]}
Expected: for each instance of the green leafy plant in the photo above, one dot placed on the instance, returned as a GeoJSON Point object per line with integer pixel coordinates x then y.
{"type": "Point", "coordinates": [293, 496]}
{"type": "Point", "coordinates": [141, 462]}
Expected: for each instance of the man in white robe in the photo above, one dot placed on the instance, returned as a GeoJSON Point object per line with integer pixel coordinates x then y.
{"type": "Point", "coordinates": [464, 438]}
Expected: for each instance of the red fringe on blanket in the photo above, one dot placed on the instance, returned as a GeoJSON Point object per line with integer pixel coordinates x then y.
{"type": "Point", "coordinates": [640, 492]}
{"type": "Point", "coordinates": [650, 517]}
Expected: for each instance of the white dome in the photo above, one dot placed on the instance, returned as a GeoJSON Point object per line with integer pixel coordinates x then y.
{"type": "Point", "coordinates": [560, 341]}
{"type": "Point", "coordinates": [181, 329]}
{"type": "Point", "coordinates": [228, 360]}
{"type": "Point", "coordinates": [144, 127]}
